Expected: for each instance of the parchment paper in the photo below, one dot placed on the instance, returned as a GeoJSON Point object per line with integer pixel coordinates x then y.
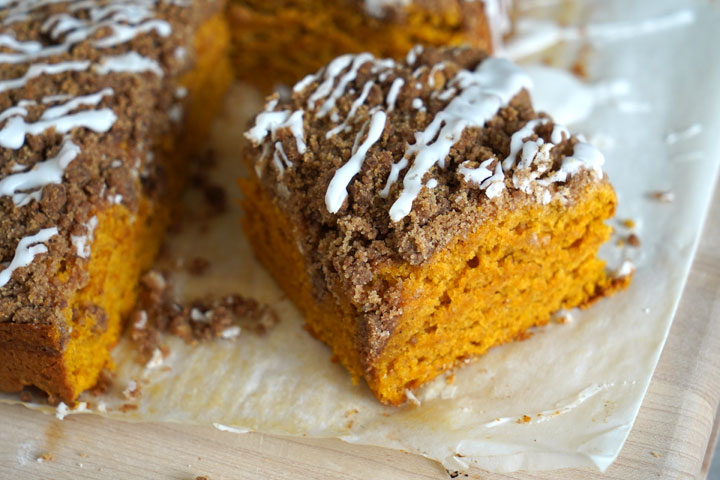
{"type": "Point", "coordinates": [568, 396]}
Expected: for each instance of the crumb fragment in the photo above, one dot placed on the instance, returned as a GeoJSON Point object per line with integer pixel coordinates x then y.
{"type": "Point", "coordinates": [562, 317]}
{"type": "Point", "coordinates": [104, 383]}
{"type": "Point", "coordinates": [524, 419]}
{"type": "Point", "coordinates": [633, 240]}
{"type": "Point", "coordinates": [655, 454]}
{"type": "Point", "coordinates": [625, 270]}
{"type": "Point", "coordinates": [411, 398]}
{"type": "Point", "coordinates": [126, 407]}
{"type": "Point", "coordinates": [665, 196]}
{"type": "Point", "coordinates": [157, 312]}
{"type": "Point", "coordinates": [132, 391]}
{"type": "Point", "coordinates": [46, 457]}
{"type": "Point", "coordinates": [198, 266]}
{"type": "Point", "coordinates": [628, 223]}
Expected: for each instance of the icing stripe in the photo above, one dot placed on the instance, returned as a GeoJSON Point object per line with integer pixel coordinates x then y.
{"type": "Point", "coordinates": [25, 186]}
{"type": "Point", "coordinates": [483, 92]}
{"type": "Point", "coordinates": [26, 251]}
{"type": "Point", "coordinates": [337, 189]}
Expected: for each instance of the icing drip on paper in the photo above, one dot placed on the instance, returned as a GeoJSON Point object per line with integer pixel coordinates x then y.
{"type": "Point", "coordinates": [26, 251]}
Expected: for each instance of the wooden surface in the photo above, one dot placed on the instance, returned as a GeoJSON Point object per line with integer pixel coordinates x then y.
{"type": "Point", "coordinates": [673, 436]}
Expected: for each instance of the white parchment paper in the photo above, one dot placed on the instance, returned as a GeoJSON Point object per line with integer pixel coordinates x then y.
{"type": "Point", "coordinates": [568, 396]}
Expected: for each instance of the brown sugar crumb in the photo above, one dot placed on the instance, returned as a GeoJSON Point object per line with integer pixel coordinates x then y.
{"type": "Point", "coordinates": [132, 391]}
{"type": "Point", "coordinates": [127, 407]}
{"type": "Point", "coordinates": [524, 419]}
{"type": "Point", "coordinates": [664, 196]}
{"type": "Point", "coordinates": [214, 195]}
{"type": "Point", "coordinates": [157, 311]}
{"type": "Point", "coordinates": [633, 240]}
{"type": "Point", "coordinates": [105, 381]}
{"type": "Point", "coordinates": [198, 266]}
{"type": "Point", "coordinates": [46, 457]}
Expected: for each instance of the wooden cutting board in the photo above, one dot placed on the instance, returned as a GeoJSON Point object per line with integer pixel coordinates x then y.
{"type": "Point", "coordinates": [673, 436]}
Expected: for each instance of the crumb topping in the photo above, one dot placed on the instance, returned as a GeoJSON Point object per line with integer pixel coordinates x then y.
{"type": "Point", "coordinates": [81, 85]}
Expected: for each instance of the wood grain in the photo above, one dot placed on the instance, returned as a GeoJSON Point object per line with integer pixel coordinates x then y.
{"type": "Point", "coordinates": [672, 437]}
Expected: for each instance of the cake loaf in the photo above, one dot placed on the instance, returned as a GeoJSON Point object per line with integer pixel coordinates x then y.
{"type": "Point", "coordinates": [279, 42]}
{"type": "Point", "coordinates": [421, 212]}
{"type": "Point", "coordinates": [101, 104]}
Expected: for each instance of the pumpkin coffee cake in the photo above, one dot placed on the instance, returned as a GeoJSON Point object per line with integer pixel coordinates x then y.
{"type": "Point", "coordinates": [101, 102]}
{"type": "Point", "coordinates": [421, 212]}
{"type": "Point", "coordinates": [280, 41]}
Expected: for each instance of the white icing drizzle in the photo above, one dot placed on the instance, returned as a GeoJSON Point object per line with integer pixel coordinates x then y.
{"type": "Point", "coordinates": [26, 251]}
{"type": "Point", "coordinates": [412, 55]}
{"type": "Point", "coordinates": [270, 122]}
{"type": "Point", "coordinates": [337, 189]}
{"type": "Point", "coordinates": [12, 135]}
{"type": "Point", "coordinates": [280, 159]}
{"type": "Point", "coordinates": [433, 71]}
{"type": "Point", "coordinates": [56, 98]}
{"type": "Point", "coordinates": [339, 89]}
{"type": "Point", "coordinates": [26, 186]}
{"type": "Point", "coordinates": [353, 109]}
{"type": "Point", "coordinates": [43, 69]}
{"type": "Point", "coordinates": [125, 21]}
{"type": "Point", "coordinates": [82, 242]}
{"type": "Point", "coordinates": [498, 18]}
{"type": "Point", "coordinates": [131, 62]}
{"type": "Point", "coordinates": [483, 92]}
{"type": "Point", "coordinates": [393, 93]}
{"type": "Point", "coordinates": [64, 109]}
{"type": "Point", "coordinates": [517, 141]}
{"type": "Point", "coordinates": [477, 175]}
